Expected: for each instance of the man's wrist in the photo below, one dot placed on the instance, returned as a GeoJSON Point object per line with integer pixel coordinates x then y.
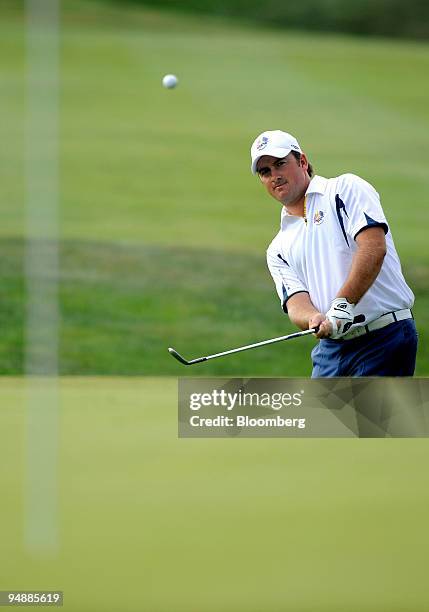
{"type": "Point", "coordinates": [345, 299]}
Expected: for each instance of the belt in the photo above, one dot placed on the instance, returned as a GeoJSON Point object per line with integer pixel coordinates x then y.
{"type": "Point", "coordinates": [383, 321]}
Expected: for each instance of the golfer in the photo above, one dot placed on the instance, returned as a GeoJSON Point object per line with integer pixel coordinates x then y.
{"type": "Point", "coordinates": [334, 263]}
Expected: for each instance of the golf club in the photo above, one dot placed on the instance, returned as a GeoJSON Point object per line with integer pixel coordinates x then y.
{"type": "Point", "coordinates": [179, 357]}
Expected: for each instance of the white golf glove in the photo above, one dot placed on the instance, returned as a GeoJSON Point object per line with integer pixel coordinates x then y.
{"type": "Point", "coordinates": [341, 316]}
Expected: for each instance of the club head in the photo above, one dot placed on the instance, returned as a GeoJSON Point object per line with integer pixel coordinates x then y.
{"type": "Point", "coordinates": [177, 356]}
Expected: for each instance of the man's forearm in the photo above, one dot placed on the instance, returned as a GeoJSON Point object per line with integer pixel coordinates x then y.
{"type": "Point", "coordinates": [301, 310]}
{"type": "Point", "coordinates": [366, 265]}
{"type": "Point", "coordinates": [365, 268]}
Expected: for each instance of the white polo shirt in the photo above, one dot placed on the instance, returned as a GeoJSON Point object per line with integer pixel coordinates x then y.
{"type": "Point", "coordinates": [316, 256]}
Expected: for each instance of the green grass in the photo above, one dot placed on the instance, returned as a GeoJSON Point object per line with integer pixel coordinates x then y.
{"type": "Point", "coordinates": [163, 229]}
{"type": "Point", "coordinates": [151, 523]}
{"type": "Point", "coordinates": [163, 234]}
{"type": "Point", "coordinates": [122, 305]}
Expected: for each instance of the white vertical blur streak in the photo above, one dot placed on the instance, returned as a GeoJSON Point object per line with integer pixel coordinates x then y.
{"type": "Point", "coordinates": [41, 351]}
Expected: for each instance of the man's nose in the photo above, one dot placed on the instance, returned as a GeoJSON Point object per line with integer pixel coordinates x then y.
{"type": "Point", "coordinates": [276, 174]}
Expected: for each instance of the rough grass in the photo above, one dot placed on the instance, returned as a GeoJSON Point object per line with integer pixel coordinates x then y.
{"type": "Point", "coordinates": [121, 307]}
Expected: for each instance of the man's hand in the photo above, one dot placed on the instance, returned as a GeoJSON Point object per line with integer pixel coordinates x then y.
{"type": "Point", "coordinates": [302, 312]}
{"type": "Point", "coordinates": [316, 321]}
{"type": "Point", "coordinates": [340, 316]}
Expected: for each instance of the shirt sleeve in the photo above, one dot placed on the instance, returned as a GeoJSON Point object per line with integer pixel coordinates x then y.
{"type": "Point", "coordinates": [285, 280]}
{"type": "Point", "coordinates": [358, 206]}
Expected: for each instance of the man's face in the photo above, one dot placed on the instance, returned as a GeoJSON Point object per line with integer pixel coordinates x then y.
{"type": "Point", "coordinates": [285, 179]}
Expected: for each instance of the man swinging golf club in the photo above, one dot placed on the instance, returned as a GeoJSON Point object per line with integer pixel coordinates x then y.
{"type": "Point", "coordinates": [334, 263]}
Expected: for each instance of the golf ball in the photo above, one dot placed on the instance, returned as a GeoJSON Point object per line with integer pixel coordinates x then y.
{"type": "Point", "coordinates": [170, 81]}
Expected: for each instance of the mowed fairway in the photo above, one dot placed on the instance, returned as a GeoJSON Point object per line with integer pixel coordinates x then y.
{"type": "Point", "coordinates": [150, 523]}
{"type": "Point", "coordinates": [163, 228]}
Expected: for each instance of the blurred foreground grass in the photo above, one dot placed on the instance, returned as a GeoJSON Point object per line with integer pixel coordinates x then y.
{"type": "Point", "coordinates": [151, 523]}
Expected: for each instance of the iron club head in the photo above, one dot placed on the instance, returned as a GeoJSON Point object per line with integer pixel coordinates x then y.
{"type": "Point", "coordinates": [177, 356]}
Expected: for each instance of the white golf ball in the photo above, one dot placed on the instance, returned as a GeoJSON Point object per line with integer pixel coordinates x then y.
{"type": "Point", "coordinates": [170, 81]}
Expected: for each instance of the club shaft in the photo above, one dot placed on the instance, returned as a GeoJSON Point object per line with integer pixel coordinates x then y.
{"type": "Point", "coordinates": [313, 330]}
{"type": "Point", "coordinates": [263, 343]}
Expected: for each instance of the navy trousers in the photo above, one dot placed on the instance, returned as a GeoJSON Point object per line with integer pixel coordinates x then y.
{"type": "Point", "coordinates": [390, 351]}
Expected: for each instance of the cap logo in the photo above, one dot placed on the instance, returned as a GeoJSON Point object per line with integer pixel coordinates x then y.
{"type": "Point", "coordinates": [262, 143]}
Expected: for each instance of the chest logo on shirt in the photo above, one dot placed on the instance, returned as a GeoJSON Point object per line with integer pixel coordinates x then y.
{"type": "Point", "coordinates": [319, 217]}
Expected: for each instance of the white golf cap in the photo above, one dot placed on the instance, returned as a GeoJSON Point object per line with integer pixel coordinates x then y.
{"type": "Point", "coordinates": [275, 143]}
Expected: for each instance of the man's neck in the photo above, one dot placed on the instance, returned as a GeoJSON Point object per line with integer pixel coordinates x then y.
{"type": "Point", "coordinates": [296, 208]}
